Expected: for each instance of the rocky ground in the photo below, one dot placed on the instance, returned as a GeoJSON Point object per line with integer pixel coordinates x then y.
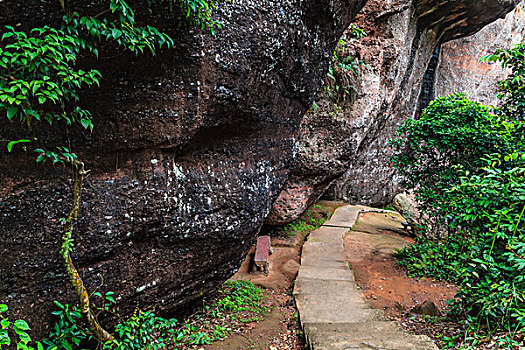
{"type": "Point", "coordinates": [369, 249]}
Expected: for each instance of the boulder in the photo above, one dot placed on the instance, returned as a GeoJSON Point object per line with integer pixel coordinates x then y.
{"type": "Point", "coordinates": [406, 205]}
{"type": "Point", "coordinates": [190, 149]}
{"type": "Point", "coordinates": [426, 308]}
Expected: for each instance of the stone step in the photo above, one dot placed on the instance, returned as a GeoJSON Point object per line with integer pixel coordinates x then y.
{"type": "Point", "coordinates": [324, 273]}
{"type": "Point", "coordinates": [325, 287]}
{"type": "Point", "coordinates": [343, 217]}
{"type": "Point", "coordinates": [377, 335]}
{"type": "Point", "coordinates": [315, 309]}
{"type": "Point", "coordinates": [333, 313]}
{"type": "Point", "coordinates": [327, 234]}
{"type": "Point", "coordinates": [318, 260]}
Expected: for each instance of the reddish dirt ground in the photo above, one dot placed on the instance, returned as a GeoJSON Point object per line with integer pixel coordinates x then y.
{"type": "Point", "coordinates": [369, 248]}
{"type": "Point", "coordinates": [280, 330]}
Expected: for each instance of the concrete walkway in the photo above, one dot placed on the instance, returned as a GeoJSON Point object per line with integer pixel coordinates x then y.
{"type": "Point", "coordinates": [333, 313]}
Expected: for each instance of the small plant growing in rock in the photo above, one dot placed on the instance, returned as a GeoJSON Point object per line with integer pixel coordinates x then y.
{"type": "Point", "coordinates": [343, 69]}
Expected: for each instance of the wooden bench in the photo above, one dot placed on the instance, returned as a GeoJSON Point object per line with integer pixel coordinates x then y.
{"type": "Point", "coordinates": [262, 252]}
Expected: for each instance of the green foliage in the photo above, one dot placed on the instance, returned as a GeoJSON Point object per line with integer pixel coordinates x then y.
{"type": "Point", "coordinates": [195, 13]}
{"type": "Point", "coordinates": [440, 260]}
{"type": "Point", "coordinates": [40, 83]}
{"type": "Point", "coordinates": [452, 132]}
{"type": "Point", "coordinates": [39, 80]}
{"type": "Point", "coordinates": [199, 13]}
{"type": "Point", "coordinates": [466, 163]}
{"type": "Point", "coordinates": [344, 69]}
{"type": "Point", "coordinates": [512, 89]}
{"type": "Point", "coordinates": [15, 333]}
{"type": "Point", "coordinates": [241, 296]}
{"type": "Point", "coordinates": [66, 333]}
{"type": "Point", "coordinates": [308, 222]}
{"type": "Point", "coordinates": [240, 302]}
{"type": "Point", "coordinates": [485, 256]}
{"type": "Point", "coordinates": [143, 330]}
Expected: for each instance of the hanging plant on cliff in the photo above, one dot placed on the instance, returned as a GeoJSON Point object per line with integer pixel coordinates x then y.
{"type": "Point", "coordinates": [344, 68]}
{"type": "Point", "coordinates": [40, 84]}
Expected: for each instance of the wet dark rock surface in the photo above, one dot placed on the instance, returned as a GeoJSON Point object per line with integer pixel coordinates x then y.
{"type": "Point", "coordinates": [190, 150]}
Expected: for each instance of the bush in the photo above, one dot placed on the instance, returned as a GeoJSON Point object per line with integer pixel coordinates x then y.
{"type": "Point", "coordinates": [486, 255]}
{"type": "Point", "coordinates": [239, 302]}
{"type": "Point", "coordinates": [452, 132]}
{"type": "Point", "coordinates": [15, 333]}
{"type": "Point", "coordinates": [466, 163]}
{"type": "Point", "coordinates": [512, 89]}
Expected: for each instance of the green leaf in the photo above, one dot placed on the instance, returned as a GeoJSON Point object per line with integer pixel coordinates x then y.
{"type": "Point", "coordinates": [11, 111]}
{"type": "Point", "coordinates": [3, 308]}
{"type": "Point", "coordinates": [12, 143]}
{"type": "Point", "coordinates": [86, 123]}
{"type": "Point", "coordinates": [23, 336]}
{"type": "Point", "coordinates": [22, 325]}
{"type": "Point", "coordinates": [4, 337]}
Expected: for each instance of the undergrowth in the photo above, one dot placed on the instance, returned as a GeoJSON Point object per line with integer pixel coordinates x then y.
{"type": "Point", "coordinates": [237, 302]}
{"type": "Point", "coordinates": [311, 220]}
{"type": "Point", "coordinates": [466, 165]}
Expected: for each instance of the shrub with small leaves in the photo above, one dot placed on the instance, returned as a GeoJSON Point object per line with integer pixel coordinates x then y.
{"type": "Point", "coordinates": [143, 330]}
{"type": "Point", "coordinates": [15, 333]}
{"type": "Point", "coordinates": [452, 131]}
{"type": "Point", "coordinates": [66, 333]}
{"type": "Point", "coordinates": [511, 89]}
{"type": "Point", "coordinates": [466, 163]}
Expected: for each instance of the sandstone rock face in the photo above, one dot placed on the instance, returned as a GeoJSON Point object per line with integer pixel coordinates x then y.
{"type": "Point", "coordinates": [189, 152]}
{"type": "Point", "coordinates": [459, 67]}
{"type": "Point", "coordinates": [346, 146]}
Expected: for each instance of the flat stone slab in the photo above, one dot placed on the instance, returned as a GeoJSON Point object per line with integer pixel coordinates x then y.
{"type": "Point", "coordinates": [333, 313]}
{"type": "Point", "coordinates": [343, 217]}
{"type": "Point", "coordinates": [322, 313]}
{"type": "Point", "coordinates": [324, 273]}
{"type": "Point", "coordinates": [325, 287]}
{"type": "Point", "coordinates": [380, 335]}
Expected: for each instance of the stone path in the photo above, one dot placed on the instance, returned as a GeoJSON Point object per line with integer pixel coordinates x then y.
{"type": "Point", "coordinates": [333, 313]}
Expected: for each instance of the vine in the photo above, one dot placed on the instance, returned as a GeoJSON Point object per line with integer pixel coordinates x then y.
{"type": "Point", "coordinates": [40, 83]}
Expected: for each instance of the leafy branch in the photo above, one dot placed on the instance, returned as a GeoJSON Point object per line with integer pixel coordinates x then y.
{"type": "Point", "coordinates": [39, 83]}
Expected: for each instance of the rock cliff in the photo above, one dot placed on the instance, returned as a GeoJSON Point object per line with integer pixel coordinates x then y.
{"type": "Point", "coordinates": [459, 67]}
{"type": "Point", "coordinates": [345, 147]}
{"type": "Point", "coordinates": [190, 149]}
